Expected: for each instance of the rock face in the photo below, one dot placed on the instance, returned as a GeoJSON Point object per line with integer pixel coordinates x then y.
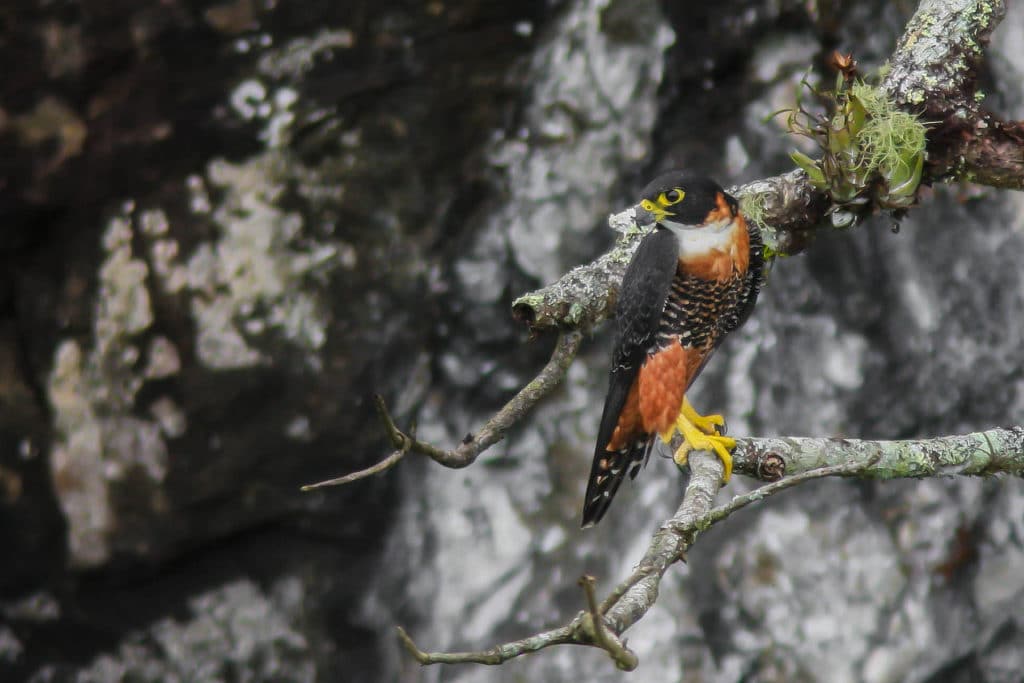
{"type": "Point", "coordinates": [225, 226]}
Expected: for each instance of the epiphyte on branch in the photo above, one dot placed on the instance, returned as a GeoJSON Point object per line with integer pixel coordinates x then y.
{"type": "Point", "coordinates": [872, 151]}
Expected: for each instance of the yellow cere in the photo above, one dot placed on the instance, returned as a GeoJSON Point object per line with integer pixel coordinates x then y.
{"type": "Point", "coordinates": [648, 205]}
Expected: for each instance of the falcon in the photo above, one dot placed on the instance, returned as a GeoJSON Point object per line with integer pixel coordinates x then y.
{"type": "Point", "coordinates": [693, 279]}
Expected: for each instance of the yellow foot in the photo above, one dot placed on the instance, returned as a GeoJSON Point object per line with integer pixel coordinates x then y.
{"type": "Point", "coordinates": [709, 424]}
{"type": "Point", "coordinates": [697, 440]}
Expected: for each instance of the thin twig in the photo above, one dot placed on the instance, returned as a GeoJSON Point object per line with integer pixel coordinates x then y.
{"type": "Point", "coordinates": [496, 655]}
{"type": "Point", "coordinates": [383, 466]}
{"type": "Point", "coordinates": [719, 513]}
{"type": "Point", "coordinates": [599, 633]}
{"type": "Point", "coordinates": [493, 431]}
{"type": "Point", "coordinates": [402, 445]}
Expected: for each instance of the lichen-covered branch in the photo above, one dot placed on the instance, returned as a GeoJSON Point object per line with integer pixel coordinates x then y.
{"type": "Point", "coordinates": [787, 207]}
{"type": "Point", "coordinates": [980, 453]}
{"type": "Point", "coordinates": [932, 73]}
{"type": "Point", "coordinates": [640, 591]}
{"type": "Point", "coordinates": [583, 296]}
{"type": "Point", "coordinates": [935, 64]}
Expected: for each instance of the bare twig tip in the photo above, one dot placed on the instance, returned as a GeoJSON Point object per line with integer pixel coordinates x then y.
{"type": "Point", "coordinates": [410, 646]}
{"type": "Point", "coordinates": [398, 439]}
{"type": "Point", "coordinates": [383, 466]}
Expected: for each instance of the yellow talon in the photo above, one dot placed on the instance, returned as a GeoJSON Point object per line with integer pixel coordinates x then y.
{"type": "Point", "coordinates": [705, 423]}
{"type": "Point", "coordinates": [696, 439]}
{"type": "Point", "coordinates": [721, 445]}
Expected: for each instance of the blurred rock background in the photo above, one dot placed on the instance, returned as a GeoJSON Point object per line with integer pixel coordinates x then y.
{"type": "Point", "coordinates": [224, 226]}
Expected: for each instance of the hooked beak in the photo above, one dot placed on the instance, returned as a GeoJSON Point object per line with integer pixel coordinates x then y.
{"type": "Point", "coordinates": [645, 218]}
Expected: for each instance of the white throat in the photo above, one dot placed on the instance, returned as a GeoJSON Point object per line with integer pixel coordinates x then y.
{"type": "Point", "coordinates": [695, 240]}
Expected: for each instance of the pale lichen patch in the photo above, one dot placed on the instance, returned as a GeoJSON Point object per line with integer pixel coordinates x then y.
{"type": "Point", "coordinates": [260, 276]}
{"type": "Point", "coordinates": [99, 443]}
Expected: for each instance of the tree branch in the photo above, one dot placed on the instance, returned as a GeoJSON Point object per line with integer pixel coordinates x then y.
{"type": "Point", "coordinates": [630, 600]}
{"type": "Point", "coordinates": [935, 65]}
{"type": "Point", "coordinates": [988, 152]}
{"type": "Point", "coordinates": [603, 625]}
{"type": "Point", "coordinates": [493, 431]}
{"type": "Point", "coordinates": [934, 73]}
{"type": "Point", "coordinates": [980, 453]}
{"type": "Point", "coordinates": [496, 655]}
{"type": "Point", "coordinates": [598, 632]}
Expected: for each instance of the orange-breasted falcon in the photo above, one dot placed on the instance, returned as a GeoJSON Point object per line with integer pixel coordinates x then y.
{"type": "Point", "coordinates": [692, 280]}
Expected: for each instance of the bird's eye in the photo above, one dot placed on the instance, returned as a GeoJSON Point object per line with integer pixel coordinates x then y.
{"type": "Point", "coordinates": [674, 196]}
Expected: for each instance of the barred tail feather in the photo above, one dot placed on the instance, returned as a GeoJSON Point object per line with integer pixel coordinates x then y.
{"type": "Point", "coordinates": [606, 475]}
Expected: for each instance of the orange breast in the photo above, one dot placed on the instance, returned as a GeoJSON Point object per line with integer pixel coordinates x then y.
{"type": "Point", "coordinates": [663, 382]}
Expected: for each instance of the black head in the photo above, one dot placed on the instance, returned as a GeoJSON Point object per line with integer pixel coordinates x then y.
{"type": "Point", "coordinates": [683, 198]}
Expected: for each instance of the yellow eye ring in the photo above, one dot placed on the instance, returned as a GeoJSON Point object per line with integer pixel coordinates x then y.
{"type": "Point", "coordinates": [673, 196]}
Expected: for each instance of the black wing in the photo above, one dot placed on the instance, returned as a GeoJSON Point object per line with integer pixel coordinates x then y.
{"type": "Point", "coordinates": [642, 296]}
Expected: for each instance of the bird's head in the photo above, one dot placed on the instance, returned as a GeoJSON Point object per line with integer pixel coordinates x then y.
{"type": "Point", "coordinates": [682, 201]}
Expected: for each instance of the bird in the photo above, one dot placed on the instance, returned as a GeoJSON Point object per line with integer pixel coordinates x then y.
{"type": "Point", "coordinates": [693, 279]}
